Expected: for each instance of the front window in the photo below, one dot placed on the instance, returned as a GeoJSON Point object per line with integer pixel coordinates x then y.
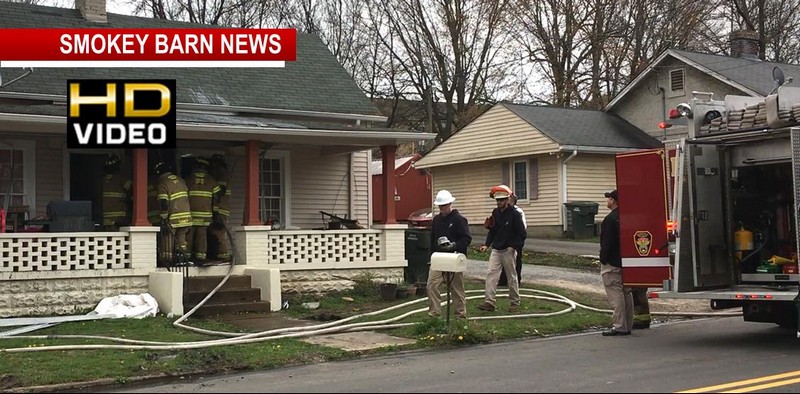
{"type": "Point", "coordinates": [521, 179]}
{"type": "Point", "coordinates": [12, 176]}
{"type": "Point", "coordinates": [271, 194]}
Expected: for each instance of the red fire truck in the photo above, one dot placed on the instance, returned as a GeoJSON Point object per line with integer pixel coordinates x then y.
{"type": "Point", "coordinates": [714, 215]}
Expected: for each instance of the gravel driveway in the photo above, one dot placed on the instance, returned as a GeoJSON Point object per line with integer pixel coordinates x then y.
{"type": "Point", "coordinates": [578, 280]}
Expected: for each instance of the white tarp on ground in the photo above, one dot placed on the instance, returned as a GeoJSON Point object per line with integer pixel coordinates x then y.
{"type": "Point", "coordinates": [128, 305]}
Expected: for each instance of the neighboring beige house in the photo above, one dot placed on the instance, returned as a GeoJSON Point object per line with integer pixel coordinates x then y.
{"type": "Point", "coordinates": [547, 155]}
{"type": "Point", "coordinates": [554, 155]}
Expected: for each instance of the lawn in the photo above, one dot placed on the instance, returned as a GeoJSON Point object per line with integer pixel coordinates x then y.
{"type": "Point", "coordinates": [25, 369]}
{"type": "Point", "coordinates": [548, 259]}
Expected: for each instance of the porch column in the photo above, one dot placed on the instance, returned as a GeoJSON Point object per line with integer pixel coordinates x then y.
{"type": "Point", "coordinates": [387, 157]}
{"type": "Point", "coordinates": [140, 188]}
{"type": "Point", "coordinates": [251, 217]}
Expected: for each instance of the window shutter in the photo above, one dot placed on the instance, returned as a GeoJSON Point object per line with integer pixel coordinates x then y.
{"type": "Point", "coordinates": [506, 176]}
{"type": "Point", "coordinates": [676, 79]}
{"type": "Point", "coordinates": [533, 185]}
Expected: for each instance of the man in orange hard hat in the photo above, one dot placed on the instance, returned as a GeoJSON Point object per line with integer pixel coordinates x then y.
{"type": "Point", "coordinates": [506, 235]}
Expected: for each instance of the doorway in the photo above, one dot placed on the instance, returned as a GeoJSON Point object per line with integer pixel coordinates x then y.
{"type": "Point", "coordinates": [86, 172]}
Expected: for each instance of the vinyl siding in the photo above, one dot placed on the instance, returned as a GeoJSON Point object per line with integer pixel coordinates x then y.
{"type": "Point", "coordinates": [470, 184]}
{"type": "Point", "coordinates": [50, 154]}
{"type": "Point", "coordinates": [498, 133]}
{"type": "Point", "coordinates": [589, 177]}
{"type": "Point", "coordinates": [319, 183]}
{"type": "Point", "coordinates": [359, 206]}
{"type": "Point", "coordinates": [643, 108]}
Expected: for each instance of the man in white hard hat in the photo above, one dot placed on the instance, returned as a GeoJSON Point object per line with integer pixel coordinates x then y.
{"type": "Point", "coordinates": [449, 233]}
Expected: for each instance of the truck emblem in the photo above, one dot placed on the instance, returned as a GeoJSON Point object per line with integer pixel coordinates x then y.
{"type": "Point", "coordinates": [643, 240]}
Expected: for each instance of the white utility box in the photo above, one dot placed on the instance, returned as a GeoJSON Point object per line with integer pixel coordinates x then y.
{"type": "Point", "coordinates": [448, 262]}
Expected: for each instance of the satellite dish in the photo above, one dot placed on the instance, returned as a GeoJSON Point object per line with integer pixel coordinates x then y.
{"type": "Point", "coordinates": [777, 76]}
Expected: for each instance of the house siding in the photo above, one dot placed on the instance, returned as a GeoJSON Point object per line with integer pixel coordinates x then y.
{"type": "Point", "coordinates": [359, 205]}
{"type": "Point", "coordinates": [470, 184]}
{"type": "Point", "coordinates": [589, 177]}
{"type": "Point", "coordinates": [319, 183]}
{"type": "Point", "coordinates": [50, 156]}
{"type": "Point", "coordinates": [498, 133]}
{"type": "Point", "coordinates": [642, 106]}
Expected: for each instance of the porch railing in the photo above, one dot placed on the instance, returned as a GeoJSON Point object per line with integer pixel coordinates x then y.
{"type": "Point", "coordinates": [332, 248]}
{"type": "Point", "coordinates": [31, 252]}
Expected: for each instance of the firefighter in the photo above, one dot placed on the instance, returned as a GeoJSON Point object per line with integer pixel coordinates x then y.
{"type": "Point", "coordinates": [641, 308]}
{"type": "Point", "coordinates": [202, 190]}
{"type": "Point", "coordinates": [222, 210]}
{"type": "Point", "coordinates": [176, 216]}
{"type": "Point", "coordinates": [153, 214]}
{"type": "Point", "coordinates": [116, 195]}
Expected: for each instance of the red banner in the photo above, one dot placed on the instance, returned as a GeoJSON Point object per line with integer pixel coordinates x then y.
{"type": "Point", "coordinates": [145, 45]}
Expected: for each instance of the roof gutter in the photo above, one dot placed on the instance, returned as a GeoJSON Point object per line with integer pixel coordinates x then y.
{"type": "Point", "coordinates": [564, 187]}
{"type": "Point", "coordinates": [593, 149]}
{"type": "Point", "coordinates": [57, 98]}
{"type": "Point", "coordinates": [262, 131]}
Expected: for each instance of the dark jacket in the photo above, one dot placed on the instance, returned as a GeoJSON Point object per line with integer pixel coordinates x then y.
{"type": "Point", "coordinates": [609, 240]}
{"type": "Point", "coordinates": [508, 230]}
{"type": "Point", "coordinates": [454, 227]}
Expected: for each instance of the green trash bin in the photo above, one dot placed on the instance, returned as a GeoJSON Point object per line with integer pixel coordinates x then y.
{"type": "Point", "coordinates": [418, 255]}
{"type": "Point", "coordinates": [580, 216]}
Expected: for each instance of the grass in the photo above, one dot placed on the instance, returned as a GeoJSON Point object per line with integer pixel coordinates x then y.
{"type": "Point", "coordinates": [120, 366]}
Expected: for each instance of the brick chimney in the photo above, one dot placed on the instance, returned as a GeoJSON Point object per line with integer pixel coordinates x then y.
{"type": "Point", "coordinates": [744, 44]}
{"type": "Point", "coordinates": [92, 10]}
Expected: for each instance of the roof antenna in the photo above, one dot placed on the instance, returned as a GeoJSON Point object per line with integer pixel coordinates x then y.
{"type": "Point", "coordinates": [28, 71]}
{"type": "Point", "coordinates": [778, 79]}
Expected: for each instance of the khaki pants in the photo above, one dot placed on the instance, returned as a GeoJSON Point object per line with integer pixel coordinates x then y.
{"type": "Point", "coordinates": [458, 295]}
{"type": "Point", "coordinates": [502, 260]}
{"type": "Point", "coordinates": [198, 242]}
{"type": "Point", "coordinates": [619, 297]}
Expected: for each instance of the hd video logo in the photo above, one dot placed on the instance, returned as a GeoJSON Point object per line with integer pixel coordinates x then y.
{"type": "Point", "coordinates": [103, 113]}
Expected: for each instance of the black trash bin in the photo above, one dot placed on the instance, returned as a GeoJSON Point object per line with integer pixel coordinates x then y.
{"type": "Point", "coordinates": [418, 254]}
{"type": "Point", "coordinates": [580, 218]}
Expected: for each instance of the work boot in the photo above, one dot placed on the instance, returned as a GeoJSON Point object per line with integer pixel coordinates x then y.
{"type": "Point", "coordinates": [487, 307]}
{"type": "Point", "coordinates": [513, 308]}
{"type": "Point", "coordinates": [641, 325]}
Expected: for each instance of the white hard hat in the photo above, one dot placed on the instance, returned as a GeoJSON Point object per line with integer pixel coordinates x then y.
{"type": "Point", "coordinates": [443, 198]}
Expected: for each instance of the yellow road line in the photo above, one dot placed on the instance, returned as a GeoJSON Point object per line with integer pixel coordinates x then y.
{"type": "Point", "coordinates": [765, 386]}
{"type": "Point", "coordinates": [744, 383]}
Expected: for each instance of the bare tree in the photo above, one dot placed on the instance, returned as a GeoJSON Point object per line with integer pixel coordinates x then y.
{"type": "Point", "coordinates": [446, 49]}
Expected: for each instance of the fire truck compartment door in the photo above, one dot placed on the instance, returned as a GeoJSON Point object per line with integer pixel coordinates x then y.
{"type": "Point", "coordinates": [706, 217]}
{"type": "Point", "coordinates": [641, 183]}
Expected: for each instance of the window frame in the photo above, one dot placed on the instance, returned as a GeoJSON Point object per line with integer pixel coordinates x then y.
{"type": "Point", "coordinates": [285, 181]}
{"type": "Point", "coordinates": [526, 178]}
{"type": "Point", "coordinates": [28, 148]}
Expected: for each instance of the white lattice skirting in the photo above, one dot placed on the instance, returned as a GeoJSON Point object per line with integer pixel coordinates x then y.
{"type": "Point", "coordinates": [64, 252]}
{"type": "Point", "coordinates": [326, 247]}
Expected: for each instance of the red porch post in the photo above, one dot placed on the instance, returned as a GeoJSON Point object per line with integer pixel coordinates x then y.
{"type": "Point", "coordinates": [251, 216]}
{"type": "Point", "coordinates": [140, 188]}
{"type": "Point", "coordinates": [387, 153]}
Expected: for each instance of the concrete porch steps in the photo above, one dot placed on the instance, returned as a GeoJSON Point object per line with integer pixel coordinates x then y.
{"type": "Point", "coordinates": [234, 297]}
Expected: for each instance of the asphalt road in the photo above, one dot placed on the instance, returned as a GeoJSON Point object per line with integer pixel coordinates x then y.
{"type": "Point", "coordinates": [667, 358]}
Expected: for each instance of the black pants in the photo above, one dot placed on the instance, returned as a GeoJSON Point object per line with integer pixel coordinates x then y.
{"type": "Point", "coordinates": [503, 280]}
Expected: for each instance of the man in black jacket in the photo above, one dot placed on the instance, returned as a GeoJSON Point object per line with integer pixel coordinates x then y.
{"type": "Point", "coordinates": [506, 235]}
{"type": "Point", "coordinates": [449, 233]}
{"type": "Point", "coordinates": [619, 296]}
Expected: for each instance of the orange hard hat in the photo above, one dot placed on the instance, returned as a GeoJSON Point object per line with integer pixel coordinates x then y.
{"type": "Point", "coordinates": [500, 192]}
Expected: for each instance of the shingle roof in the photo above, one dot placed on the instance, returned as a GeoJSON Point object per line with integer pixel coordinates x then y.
{"type": "Point", "coordinates": [376, 167]}
{"type": "Point", "coordinates": [584, 128]}
{"type": "Point", "coordinates": [315, 82]}
{"type": "Point", "coordinates": [754, 74]}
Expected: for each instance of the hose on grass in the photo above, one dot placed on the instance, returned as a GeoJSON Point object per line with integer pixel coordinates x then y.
{"type": "Point", "coordinates": [320, 329]}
